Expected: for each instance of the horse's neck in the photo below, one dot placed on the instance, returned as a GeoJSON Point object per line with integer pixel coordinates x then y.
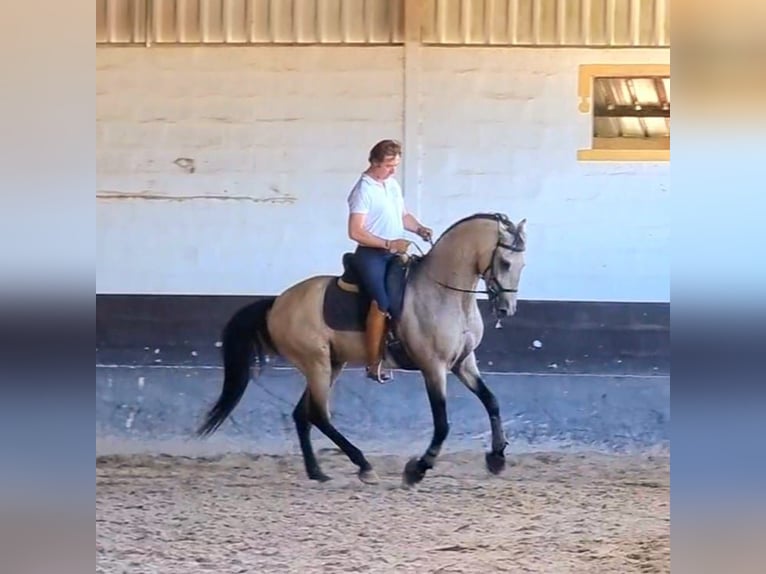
{"type": "Point", "coordinates": [454, 261]}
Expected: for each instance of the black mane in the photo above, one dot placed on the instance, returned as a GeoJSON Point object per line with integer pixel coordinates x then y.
{"type": "Point", "coordinates": [502, 218]}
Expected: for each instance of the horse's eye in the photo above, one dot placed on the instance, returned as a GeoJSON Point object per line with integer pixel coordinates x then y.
{"type": "Point", "coordinates": [505, 265]}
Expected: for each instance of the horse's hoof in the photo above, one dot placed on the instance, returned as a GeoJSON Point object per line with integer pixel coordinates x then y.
{"type": "Point", "coordinates": [413, 472]}
{"type": "Point", "coordinates": [495, 462]}
{"type": "Point", "coordinates": [369, 476]}
{"type": "Point", "coordinates": [319, 476]}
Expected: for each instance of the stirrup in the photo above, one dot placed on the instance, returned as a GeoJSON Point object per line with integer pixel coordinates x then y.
{"type": "Point", "coordinates": [379, 376]}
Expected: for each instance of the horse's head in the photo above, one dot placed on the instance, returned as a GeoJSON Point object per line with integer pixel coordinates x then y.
{"type": "Point", "coordinates": [503, 274]}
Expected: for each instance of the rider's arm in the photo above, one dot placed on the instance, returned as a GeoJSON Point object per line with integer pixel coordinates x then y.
{"type": "Point", "coordinates": [410, 222]}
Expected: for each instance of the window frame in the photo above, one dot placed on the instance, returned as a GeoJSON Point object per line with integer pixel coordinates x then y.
{"type": "Point", "coordinates": [587, 74]}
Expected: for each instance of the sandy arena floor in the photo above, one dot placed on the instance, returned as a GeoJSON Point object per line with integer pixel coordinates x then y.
{"type": "Point", "coordinates": [548, 513]}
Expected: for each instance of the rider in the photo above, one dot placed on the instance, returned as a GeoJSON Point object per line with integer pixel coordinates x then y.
{"type": "Point", "coordinates": [376, 222]}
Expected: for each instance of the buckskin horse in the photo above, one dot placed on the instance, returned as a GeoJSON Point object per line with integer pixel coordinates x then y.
{"type": "Point", "coordinates": [318, 324]}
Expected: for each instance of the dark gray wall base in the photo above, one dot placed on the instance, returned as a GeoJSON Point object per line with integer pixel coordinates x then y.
{"type": "Point", "coordinates": [576, 337]}
{"type": "Point", "coordinates": [608, 414]}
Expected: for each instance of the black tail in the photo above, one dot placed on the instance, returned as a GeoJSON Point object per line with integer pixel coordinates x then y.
{"type": "Point", "coordinates": [244, 337]}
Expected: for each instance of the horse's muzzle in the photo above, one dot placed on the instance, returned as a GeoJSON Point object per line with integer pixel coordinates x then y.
{"type": "Point", "coordinates": [505, 309]}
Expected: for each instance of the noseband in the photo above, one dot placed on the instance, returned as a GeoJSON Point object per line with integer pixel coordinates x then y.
{"type": "Point", "coordinates": [494, 288]}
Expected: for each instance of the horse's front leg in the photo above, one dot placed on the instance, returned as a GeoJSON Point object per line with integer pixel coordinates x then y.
{"type": "Point", "coordinates": [436, 387]}
{"type": "Point", "coordinates": [468, 373]}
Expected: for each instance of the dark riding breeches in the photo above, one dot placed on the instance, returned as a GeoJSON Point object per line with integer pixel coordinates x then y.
{"type": "Point", "coordinates": [371, 264]}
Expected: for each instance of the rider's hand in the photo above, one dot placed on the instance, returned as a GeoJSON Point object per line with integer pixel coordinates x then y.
{"type": "Point", "coordinates": [398, 245]}
{"type": "Point", "coordinates": [425, 233]}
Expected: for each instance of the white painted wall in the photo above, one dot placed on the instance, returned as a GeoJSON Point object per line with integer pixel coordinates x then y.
{"type": "Point", "coordinates": [279, 134]}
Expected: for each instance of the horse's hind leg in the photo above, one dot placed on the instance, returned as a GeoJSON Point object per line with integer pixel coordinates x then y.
{"type": "Point", "coordinates": [436, 387]}
{"type": "Point", "coordinates": [468, 373]}
{"type": "Point", "coordinates": [320, 380]}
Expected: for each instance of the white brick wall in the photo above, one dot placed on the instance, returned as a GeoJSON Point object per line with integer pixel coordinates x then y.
{"type": "Point", "coordinates": [279, 134]}
{"type": "Point", "coordinates": [500, 132]}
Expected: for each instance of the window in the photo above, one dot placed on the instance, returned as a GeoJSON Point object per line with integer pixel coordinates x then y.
{"type": "Point", "coordinates": [630, 112]}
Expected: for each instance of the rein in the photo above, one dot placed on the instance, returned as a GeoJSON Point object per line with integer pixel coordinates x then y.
{"type": "Point", "coordinates": [492, 290]}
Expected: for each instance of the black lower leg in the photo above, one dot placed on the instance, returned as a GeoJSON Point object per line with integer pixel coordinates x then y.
{"type": "Point", "coordinates": [320, 420]}
{"type": "Point", "coordinates": [416, 468]}
{"type": "Point", "coordinates": [489, 401]}
{"type": "Point", "coordinates": [303, 427]}
{"type": "Point", "coordinates": [441, 426]}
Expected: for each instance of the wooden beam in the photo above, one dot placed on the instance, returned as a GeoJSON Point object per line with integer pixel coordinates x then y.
{"type": "Point", "coordinates": [631, 112]}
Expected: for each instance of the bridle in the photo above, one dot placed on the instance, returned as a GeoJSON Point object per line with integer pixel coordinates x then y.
{"type": "Point", "coordinates": [494, 288]}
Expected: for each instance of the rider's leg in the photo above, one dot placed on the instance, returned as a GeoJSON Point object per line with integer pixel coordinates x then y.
{"type": "Point", "coordinates": [371, 266]}
{"type": "Point", "coordinates": [374, 335]}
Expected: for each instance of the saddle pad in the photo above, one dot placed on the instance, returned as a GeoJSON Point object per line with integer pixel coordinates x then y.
{"type": "Point", "coordinates": [343, 310]}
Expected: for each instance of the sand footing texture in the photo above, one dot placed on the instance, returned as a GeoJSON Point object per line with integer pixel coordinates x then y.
{"type": "Point", "coordinates": [549, 512]}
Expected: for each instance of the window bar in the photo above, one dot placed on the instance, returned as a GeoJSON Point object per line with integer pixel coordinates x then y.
{"type": "Point", "coordinates": [636, 105]}
{"type": "Point", "coordinates": [663, 97]}
{"type": "Point", "coordinates": [661, 93]}
{"type": "Point", "coordinates": [608, 103]}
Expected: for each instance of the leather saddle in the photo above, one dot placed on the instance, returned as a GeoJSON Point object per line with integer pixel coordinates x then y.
{"type": "Point", "coordinates": [346, 302]}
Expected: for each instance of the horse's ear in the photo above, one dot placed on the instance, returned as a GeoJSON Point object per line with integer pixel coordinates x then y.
{"type": "Point", "coordinates": [521, 225]}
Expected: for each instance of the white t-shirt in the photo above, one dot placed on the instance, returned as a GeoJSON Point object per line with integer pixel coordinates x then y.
{"type": "Point", "coordinates": [383, 204]}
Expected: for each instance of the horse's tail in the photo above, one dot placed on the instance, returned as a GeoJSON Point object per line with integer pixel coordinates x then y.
{"type": "Point", "coordinates": [245, 336]}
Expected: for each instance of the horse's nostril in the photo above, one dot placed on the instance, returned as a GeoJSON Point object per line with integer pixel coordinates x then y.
{"type": "Point", "coordinates": [502, 312]}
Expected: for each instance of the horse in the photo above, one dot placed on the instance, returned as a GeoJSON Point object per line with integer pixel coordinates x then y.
{"type": "Point", "coordinates": [317, 325]}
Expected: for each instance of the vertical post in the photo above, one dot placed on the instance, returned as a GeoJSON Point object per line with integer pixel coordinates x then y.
{"type": "Point", "coordinates": [413, 17]}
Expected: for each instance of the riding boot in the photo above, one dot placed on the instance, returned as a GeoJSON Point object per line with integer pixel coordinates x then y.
{"type": "Point", "coordinates": [376, 330]}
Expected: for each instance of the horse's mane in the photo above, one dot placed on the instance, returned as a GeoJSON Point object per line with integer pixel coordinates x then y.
{"type": "Point", "coordinates": [502, 218]}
